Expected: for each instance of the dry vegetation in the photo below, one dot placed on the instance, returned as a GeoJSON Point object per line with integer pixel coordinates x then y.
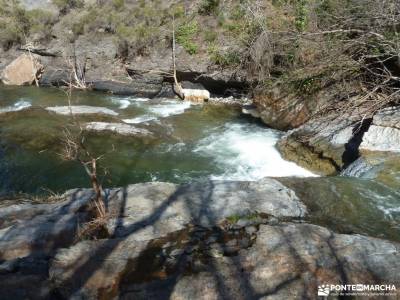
{"type": "Point", "coordinates": [302, 45]}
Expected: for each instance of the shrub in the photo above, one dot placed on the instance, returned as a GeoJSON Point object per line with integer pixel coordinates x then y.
{"type": "Point", "coordinates": [14, 24]}
{"type": "Point", "coordinates": [210, 36]}
{"type": "Point", "coordinates": [227, 58]}
{"type": "Point", "coordinates": [65, 5]}
{"type": "Point", "coordinates": [209, 7]}
{"type": "Point", "coordinates": [118, 4]}
{"type": "Point", "coordinates": [185, 36]}
{"type": "Point", "coordinates": [41, 22]}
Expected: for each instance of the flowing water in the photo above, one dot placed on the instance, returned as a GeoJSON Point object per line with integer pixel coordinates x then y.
{"type": "Point", "coordinates": [192, 142]}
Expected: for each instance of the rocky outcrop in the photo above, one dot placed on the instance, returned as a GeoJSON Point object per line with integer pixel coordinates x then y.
{"type": "Point", "coordinates": [325, 145]}
{"type": "Point", "coordinates": [133, 88]}
{"type": "Point", "coordinates": [282, 110]}
{"type": "Point", "coordinates": [81, 110]}
{"type": "Point", "coordinates": [55, 77]}
{"type": "Point", "coordinates": [118, 128]}
{"type": "Point", "coordinates": [205, 240]}
{"type": "Point", "coordinates": [384, 132]}
{"type": "Point", "coordinates": [29, 229]}
{"type": "Point", "coordinates": [286, 261]}
{"type": "Point", "coordinates": [22, 71]}
{"type": "Point", "coordinates": [166, 207]}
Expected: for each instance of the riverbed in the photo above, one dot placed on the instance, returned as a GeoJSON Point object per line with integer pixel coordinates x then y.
{"type": "Point", "coordinates": [189, 143]}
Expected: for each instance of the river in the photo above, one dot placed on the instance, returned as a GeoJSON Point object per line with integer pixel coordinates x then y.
{"type": "Point", "coordinates": [192, 142]}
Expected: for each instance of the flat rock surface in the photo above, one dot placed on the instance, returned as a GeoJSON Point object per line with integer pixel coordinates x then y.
{"type": "Point", "coordinates": [164, 207]}
{"type": "Point", "coordinates": [384, 133]}
{"type": "Point", "coordinates": [119, 128]}
{"type": "Point", "coordinates": [81, 110]}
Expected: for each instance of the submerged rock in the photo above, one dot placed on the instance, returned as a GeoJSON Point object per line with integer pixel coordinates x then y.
{"type": "Point", "coordinates": [22, 71]}
{"type": "Point", "coordinates": [119, 128]}
{"type": "Point", "coordinates": [81, 110]}
{"type": "Point", "coordinates": [384, 133]}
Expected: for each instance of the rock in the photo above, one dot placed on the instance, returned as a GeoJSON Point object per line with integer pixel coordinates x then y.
{"type": "Point", "coordinates": [28, 229]}
{"type": "Point", "coordinates": [196, 95]}
{"type": "Point", "coordinates": [119, 128]}
{"type": "Point", "coordinates": [251, 110]}
{"type": "Point", "coordinates": [383, 167]}
{"type": "Point", "coordinates": [22, 71]}
{"type": "Point", "coordinates": [384, 133]}
{"type": "Point", "coordinates": [240, 101]}
{"type": "Point", "coordinates": [204, 203]}
{"type": "Point", "coordinates": [325, 145]}
{"type": "Point", "coordinates": [81, 110]}
{"type": "Point", "coordinates": [287, 261]}
{"type": "Point", "coordinates": [362, 167]}
{"type": "Point", "coordinates": [194, 92]}
{"type": "Point", "coordinates": [55, 77]}
{"type": "Point", "coordinates": [134, 88]}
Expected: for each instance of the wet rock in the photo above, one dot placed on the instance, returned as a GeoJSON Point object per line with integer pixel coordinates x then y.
{"type": "Point", "coordinates": [81, 110]}
{"type": "Point", "coordinates": [384, 133]}
{"type": "Point", "coordinates": [22, 71]}
{"type": "Point", "coordinates": [362, 167]}
{"type": "Point", "coordinates": [118, 128]}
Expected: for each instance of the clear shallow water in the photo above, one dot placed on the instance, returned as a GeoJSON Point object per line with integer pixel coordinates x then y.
{"type": "Point", "coordinates": [193, 142]}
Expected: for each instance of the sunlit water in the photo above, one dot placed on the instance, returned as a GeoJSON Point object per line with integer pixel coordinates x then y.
{"type": "Point", "coordinates": [192, 142]}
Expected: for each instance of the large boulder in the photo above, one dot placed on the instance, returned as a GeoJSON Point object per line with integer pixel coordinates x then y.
{"type": "Point", "coordinates": [384, 132]}
{"type": "Point", "coordinates": [22, 71]}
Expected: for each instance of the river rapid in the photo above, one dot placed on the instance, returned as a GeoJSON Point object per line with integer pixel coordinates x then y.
{"type": "Point", "coordinates": [190, 142]}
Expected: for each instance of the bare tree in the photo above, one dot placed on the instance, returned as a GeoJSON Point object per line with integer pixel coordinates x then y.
{"type": "Point", "coordinates": [75, 149]}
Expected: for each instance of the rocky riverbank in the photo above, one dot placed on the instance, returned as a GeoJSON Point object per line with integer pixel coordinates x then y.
{"type": "Point", "coordinates": [205, 240]}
